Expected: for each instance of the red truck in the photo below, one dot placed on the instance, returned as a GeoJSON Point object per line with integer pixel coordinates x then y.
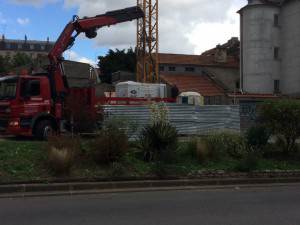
{"type": "Point", "coordinates": [34, 105]}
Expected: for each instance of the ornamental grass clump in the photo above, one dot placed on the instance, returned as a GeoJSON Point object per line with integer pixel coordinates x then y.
{"type": "Point", "coordinates": [62, 153]}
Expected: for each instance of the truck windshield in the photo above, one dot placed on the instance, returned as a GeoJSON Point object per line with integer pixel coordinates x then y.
{"type": "Point", "coordinates": [8, 88]}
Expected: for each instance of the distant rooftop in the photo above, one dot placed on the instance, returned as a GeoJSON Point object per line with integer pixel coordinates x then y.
{"type": "Point", "coordinates": [25, 45]}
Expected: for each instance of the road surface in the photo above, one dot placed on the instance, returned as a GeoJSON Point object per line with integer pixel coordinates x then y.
{"type": "Point", "coordinates": [252, 206]}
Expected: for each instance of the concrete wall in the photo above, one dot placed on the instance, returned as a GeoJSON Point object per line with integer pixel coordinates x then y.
{"type": "Point", "coordinates": [228, 77]}
{"type": "Point", "coordinates": [259, 37]}
{"type": "Point", "coordinates": [180, 69]}
{"type": "Point", "coordinates": [290, 48]}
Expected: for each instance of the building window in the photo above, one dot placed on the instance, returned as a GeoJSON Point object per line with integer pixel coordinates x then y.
{"type": "Point", "coordinates": [276, 20]}
{"type": "Point", "coordinates": [190, 69]}
{"type": "Point", "coordinates": [42, 47]}
{"type": "Point", "coordinates": [31, 47]}
{"type": "Point", "coordinates": [20, 46]}
{"type": "Point", "coordinates": [172, 68]}
{"type": "Point", "coordinates": [237, 84]}
{"type": "Point", "coordinates": [276, 86]}
{"type": "Point", "coordinates": [7, 46]}
{"type": "Point", "coordinates": [276, 52]}
{"type": "Point", "coordinates": [161, 68]}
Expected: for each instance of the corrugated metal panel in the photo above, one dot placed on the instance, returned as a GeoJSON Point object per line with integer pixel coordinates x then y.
{"type": "Point", "coordinates": [189, 120]}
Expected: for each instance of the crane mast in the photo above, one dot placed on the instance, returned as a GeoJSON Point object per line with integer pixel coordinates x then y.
{"type": "Point", "coordinates": [148, 42]}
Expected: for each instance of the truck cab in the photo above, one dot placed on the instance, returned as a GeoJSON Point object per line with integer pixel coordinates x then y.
{"type": "Point", "coordinates": [25, 106]}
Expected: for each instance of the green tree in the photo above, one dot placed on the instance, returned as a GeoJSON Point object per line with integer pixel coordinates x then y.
{"type": "Point", "coordinates": [5, 65]}
{"type": "Point", "coordinates": [118, 60]}
{"type": "Point", "coordinates": [282, 117]}
{"type": "Point", "coordinates": [21, 59]}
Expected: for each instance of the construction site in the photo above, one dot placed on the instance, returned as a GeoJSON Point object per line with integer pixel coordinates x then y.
{"type": "Point", "coordinates": [158, 127]}
{"type": "Point", "coordinates": [185, 83]}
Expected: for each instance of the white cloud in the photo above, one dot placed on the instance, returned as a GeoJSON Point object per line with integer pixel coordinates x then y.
{"type": "Point", "coordinates": [23, 21]}
{"type": "Point", "coordinates": [189, 26]}
{"type": "Point", "coordinates": [74, 56]}
{"type": "Point", "coordinates": [33, 2]}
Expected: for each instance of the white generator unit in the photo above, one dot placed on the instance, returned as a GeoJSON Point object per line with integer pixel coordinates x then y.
{"type": "Point", "coordinates": [130, 89]}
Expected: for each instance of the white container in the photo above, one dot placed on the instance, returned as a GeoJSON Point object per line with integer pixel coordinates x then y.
{"type": "Point", "coordinates": [132, 89]}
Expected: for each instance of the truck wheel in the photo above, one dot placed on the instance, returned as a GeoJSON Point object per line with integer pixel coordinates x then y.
{"type": "Point", "coordinates": [44, 129]}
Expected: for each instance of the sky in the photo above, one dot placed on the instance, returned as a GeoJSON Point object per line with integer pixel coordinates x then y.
{"type": "Point", "coordinates": [185, 26]}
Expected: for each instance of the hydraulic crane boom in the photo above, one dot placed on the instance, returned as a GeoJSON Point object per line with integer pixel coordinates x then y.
{"type": "Point", "coordinates": [89, 26]}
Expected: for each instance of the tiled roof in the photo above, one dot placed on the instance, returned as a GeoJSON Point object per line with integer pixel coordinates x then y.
{"type": "Point", "coordinates": [199, 60]}
{"type": "Point", "coordinates": [196, 83]}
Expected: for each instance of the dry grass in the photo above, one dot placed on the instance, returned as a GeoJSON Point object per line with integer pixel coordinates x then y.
{"type": "Point", "coordinates": [62, 152]}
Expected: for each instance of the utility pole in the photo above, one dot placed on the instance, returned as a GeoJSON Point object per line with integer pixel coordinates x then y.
{"type": "Point", "coordinates": [148, 42]}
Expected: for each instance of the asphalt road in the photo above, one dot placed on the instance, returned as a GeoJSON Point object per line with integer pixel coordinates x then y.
{"type": "Point", "coordinates": [257, 206]}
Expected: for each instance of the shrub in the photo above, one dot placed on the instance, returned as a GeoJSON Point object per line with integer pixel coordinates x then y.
{"type": "Point", "coordinates": [257, 138]}
{"type": "Point", "coordinates": [159, 142]}
{"type": "Point", "coordinates": [187, 149]}
{"type": "Point", "coordinates": [117, 170]}
{"type": "Point", "coordinates": [62, 152]}
{"type": "Point", "coordinates": [248, 163]}
{"type": "Point", "coordinates": [219, 145]}
{"type": "Point", "coordinates": [283, 119]}
{"type": "Point", "coordinates": [110, 145]}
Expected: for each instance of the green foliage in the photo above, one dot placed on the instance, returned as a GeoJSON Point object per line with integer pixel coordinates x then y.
{"type": "Point", "coordinates": [159, 141]}
{"type": "Point", "coordinates": [224, 144]}
{"type": "Point", "coordinates": [110, 145]}
{"type": "Point", "coordinates": [118, 60]}
{"type": "Point", "coordinates": [21, 160]}
{"type": "Point", "coordinates": [187, 149]}
{"type": "Point", "coordinates": [283, 119]}
{"type": "Point", "coordinates": [21, 59]}
{"type": "Point", "coordinates": [248, 163]}
{"type": "Point", "coordinates": [257, 138]}
{"type": "Point", "coordinates": [5, 65]}
{"type": "Point", "coordinates": [62, 152]}
{"type": "Point", "coordinates": [9, 64]}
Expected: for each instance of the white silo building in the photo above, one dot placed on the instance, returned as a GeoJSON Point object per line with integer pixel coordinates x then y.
{"type": "Point", "coordinates": [270, 47]}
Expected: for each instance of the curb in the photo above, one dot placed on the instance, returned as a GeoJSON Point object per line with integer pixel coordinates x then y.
{"type": "Point", "coordinates": [58, 189]}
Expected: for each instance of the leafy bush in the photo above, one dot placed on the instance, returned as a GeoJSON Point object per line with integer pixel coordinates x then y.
{"type": "Point", "coordinates": [187, 149]}
{"type": "Point", "coordinates": [62, 152]}
{"type": "Point", "coordinates": [219, 145]}
{"type": "Point", "coordinates": [283, 119]}
{"type": "Point", "coordinates": [117, 170]}
{"type": "Point", "coordinates": [257, 138]}
{"type": "Point", "coordinates": [248, 163]}
{"type": "Point", "coordinates": [159, 141]}
{"type": "Point", "coordinates": [110, 145]}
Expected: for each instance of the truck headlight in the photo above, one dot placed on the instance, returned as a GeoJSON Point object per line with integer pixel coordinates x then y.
{"type": "Point", "coordinates": [14, 123]}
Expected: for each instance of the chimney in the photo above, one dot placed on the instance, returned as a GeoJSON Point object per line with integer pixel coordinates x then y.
{"type": "Point", "coordinates": [48, 39]}
{"type": "Point", "coordinates": [25, 38]}
{"type": "Point", "coordinates": [3, 37]}
{"type": "Point", "coordinates": [221, 54]}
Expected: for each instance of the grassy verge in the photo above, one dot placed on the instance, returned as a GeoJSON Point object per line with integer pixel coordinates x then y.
{"type": "Point", "coordinates": [27, 161]}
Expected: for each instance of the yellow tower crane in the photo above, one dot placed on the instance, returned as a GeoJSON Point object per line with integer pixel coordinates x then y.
{"type": "Point", "coordinates": [147, 43]}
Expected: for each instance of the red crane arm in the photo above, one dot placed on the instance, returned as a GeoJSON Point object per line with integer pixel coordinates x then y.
{"type": "Point", "coordinates": [89, 26]}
